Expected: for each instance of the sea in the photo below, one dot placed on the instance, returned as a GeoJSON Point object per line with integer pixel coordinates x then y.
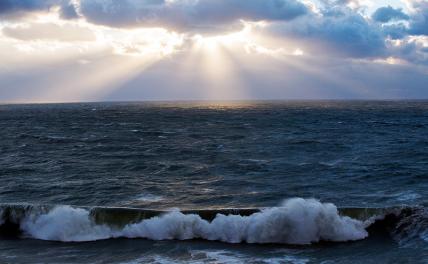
{"type": "Point", "coordinates": [214, 182]}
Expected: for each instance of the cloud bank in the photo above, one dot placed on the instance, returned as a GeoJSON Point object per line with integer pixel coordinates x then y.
{"type": "Point", "coordinates": [335, 26]}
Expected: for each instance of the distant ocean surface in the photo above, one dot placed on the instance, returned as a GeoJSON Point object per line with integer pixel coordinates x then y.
{"type": "Point", "coordinates": [240, 182]}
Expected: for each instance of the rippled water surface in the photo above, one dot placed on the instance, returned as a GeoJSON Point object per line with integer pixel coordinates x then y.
{"type": "Point", "coordinates": [206, 156]}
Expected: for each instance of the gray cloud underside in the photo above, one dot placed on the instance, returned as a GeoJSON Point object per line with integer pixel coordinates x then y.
{"type": "Point", "coordinates": [203, 15]}
{"type": "Point", "coordinates": [190, 15]}
{"type": "Point", "coordinates": [345, 33]}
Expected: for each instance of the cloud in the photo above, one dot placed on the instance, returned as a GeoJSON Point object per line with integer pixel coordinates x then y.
{"type": "Point", "coordinates": [395, 31]}
{"type": "Point", "coordinates": [335, 28]}
{"type": "Point", "coordinates": [413, 49]}
{"type": "Point", "coordinates": [68, 11]}
{"type": "Point", "coordinates": [18, 8]}
{"type": "Point", "coordinates": [14, 5]}
{"type": "Point", "coordinates": [8, 7]}
{"type": "Point", "coordinates": [188, 15]}
{"type": "Point", "coordinates": [413, 23]}
{"type": "Point", "coordinates": [350, 34]}
{"type": "Point", "coordinates": [387, 14]}
{"type": "Point", "coordinates": [340, 31]}
{"type": "Point", "coordinates": [49, 31]}
{"type": "Point", "coordinates": [419, 20]}
{"type": "Point", "coordinates": [337, 31]}
{"type": "Point", "coordinates": [360, 6]}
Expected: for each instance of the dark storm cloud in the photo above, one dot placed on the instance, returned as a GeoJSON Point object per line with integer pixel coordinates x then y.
{"type": "Point", "coordinates": [188, 15]}
{"type": "Point", "coordinates": [386, 14]}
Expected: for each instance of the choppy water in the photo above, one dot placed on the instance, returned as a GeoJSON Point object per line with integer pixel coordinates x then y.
{"type": "Point", "coordinates": [200, 156]}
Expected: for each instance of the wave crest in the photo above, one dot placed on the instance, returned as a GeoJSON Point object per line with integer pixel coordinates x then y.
{"type": "Point", "coordinates": [296, 221]}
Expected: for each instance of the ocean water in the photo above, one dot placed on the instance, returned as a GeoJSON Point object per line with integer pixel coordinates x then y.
{"type": "Point", "coordinates": [198, 182]}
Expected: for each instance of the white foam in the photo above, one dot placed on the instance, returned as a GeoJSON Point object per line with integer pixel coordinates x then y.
{"type": "Point", "coordinates": [229, 257]}
{"type": "Point", "coordinates": [149, 198]}
{"type": "Point", "coordinates": [407, 196]}
{"type": "Point", "coordinates": [218, 257]}
{"type": "Point", "coordinates": [65, 223]}
{"type": "Point", "coordinates": [296, 221]}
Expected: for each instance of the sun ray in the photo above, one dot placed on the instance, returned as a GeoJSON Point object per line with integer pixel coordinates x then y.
{"type": "Point", "coordinates": [207, 64]}
{"type": "Point", "coordinates": [219, 72]}
{"type": "Point", "coordinates": [92, 82]}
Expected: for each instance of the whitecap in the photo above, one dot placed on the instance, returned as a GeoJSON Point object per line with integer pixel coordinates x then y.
{"type": "Point", "coordinates": [149, 198]}
{"type": "Point", "coordinates": [296, 221]}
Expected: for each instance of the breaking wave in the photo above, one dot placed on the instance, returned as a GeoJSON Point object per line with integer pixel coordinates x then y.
{"type": "Point", "coordinates": [296, 221]}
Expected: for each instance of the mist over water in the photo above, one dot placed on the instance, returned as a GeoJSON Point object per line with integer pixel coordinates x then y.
{"type": "Point", "coordinates": [208, 156]}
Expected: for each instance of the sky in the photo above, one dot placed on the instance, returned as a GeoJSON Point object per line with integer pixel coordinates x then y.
{"type": "Point", "coordinates": [133, 50]}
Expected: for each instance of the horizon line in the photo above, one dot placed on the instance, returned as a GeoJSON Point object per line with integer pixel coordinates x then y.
{"type": "Point", "coordinates": [208, 101]}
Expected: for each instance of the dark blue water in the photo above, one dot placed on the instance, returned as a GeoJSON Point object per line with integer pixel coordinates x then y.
{"type": "Point", "coordinates": [206, 156]}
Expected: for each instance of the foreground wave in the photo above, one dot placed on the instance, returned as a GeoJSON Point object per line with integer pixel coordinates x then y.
{"type": "Point", "coordinates": [296, 221]}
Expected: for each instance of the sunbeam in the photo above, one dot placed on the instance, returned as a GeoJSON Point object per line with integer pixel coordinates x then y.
{"type": "Point", "coordinates": [91, 82]}
{"type": "Point", "coordinates": [221, 76]}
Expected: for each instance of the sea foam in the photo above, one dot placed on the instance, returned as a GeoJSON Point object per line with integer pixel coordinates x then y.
{"type": "Point", "coordinates": [295, 221]}
{"type": "Point", "coordinates": [218, 257]}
